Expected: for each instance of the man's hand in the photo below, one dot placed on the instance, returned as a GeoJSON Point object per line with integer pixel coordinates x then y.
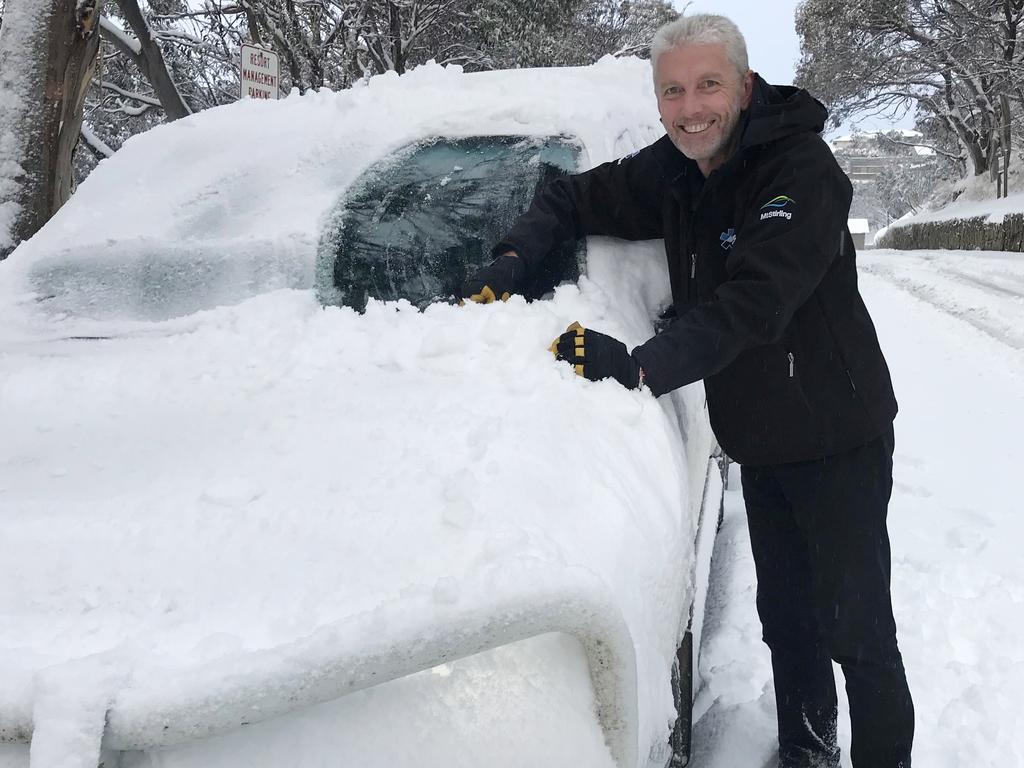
{"type": "Point", "coordinates": [498, 280]}
{"type": "Point", "coordinates": [597, 356]}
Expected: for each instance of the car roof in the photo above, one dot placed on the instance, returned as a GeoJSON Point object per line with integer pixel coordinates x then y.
{"type": "Point", "coordinates": [262, 174]}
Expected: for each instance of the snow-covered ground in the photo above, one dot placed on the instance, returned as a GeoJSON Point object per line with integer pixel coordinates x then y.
{"type": "Point", "coordinates": [950, 325]}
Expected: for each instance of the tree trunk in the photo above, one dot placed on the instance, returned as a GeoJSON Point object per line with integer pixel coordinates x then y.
{"type": "Point", "coordinates": [47, 55]}
{"type": "Point", "coordinates": [77, 77]}
{"type": "Point", "coordinates": [395, 27]}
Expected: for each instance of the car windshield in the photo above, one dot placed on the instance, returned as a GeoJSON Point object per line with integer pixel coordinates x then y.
{"type": "Point", "coordinates": [415, 225]}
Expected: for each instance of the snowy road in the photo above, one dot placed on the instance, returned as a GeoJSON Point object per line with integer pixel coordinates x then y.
{"type": "Point", "coordinates": [985, 289]}
{"type": "Point", "coordinates": [952, 327]}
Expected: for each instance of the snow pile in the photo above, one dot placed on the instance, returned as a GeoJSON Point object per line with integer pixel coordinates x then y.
{"type": "Point", "coordinates": [213, 503]}
{"type": "Point", "coordinates": [518, 705]}
{"type": "Point", "coordinates": [184, 501]}
{"type": "Point", "coordinates": [991, 210]}
{"type": "Point", "coordinates": [976, 200]}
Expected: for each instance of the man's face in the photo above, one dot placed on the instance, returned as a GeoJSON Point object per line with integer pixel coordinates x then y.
{"type": "Point", "coordinates": [700, 97]}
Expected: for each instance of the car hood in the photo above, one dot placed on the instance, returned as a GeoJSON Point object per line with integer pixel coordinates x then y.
{"type": "Point", "coordinates": [178, 496]}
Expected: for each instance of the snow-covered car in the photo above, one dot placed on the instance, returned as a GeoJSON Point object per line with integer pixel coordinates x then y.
{"type": "Point", "coordinates": [269, 496]}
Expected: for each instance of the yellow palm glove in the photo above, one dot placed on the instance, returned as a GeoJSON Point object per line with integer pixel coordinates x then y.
{"type": "Point", "coordinates": [597, 356]}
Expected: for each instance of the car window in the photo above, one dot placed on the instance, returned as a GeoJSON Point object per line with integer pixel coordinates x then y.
{"type": "Point", "coordinates": [414, 225]}
{"type": "Point", "coordinates": [153, 280]}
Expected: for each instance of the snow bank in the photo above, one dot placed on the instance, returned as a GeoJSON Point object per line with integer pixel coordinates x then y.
{"type": "Point", "coordinates": [976, 199]}
{"type": "Point", "coordinates": [992, 210]}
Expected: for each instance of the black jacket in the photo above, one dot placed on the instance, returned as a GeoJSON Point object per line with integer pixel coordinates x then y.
{"type": "Point", "coordinates": [763, 274]}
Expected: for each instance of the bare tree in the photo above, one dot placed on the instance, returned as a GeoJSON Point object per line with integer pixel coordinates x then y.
{"type": "Point", "coordinates": [144, 52]}
{"type": "Point", "coordinates": [164, 57]}
{"type": "Point", "coordinates": [957, 61]}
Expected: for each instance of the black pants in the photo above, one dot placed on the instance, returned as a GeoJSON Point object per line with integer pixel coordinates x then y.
{"type": "Point", "coordinates": [821, 552]}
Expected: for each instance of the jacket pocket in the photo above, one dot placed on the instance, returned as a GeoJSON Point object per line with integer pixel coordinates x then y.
{"type": "Point", "coordinates": [793, 380]}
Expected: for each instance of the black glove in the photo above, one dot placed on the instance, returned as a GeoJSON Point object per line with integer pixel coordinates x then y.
{"type": "Point", "coordinates": [598, 356]}
{"type": "Point", "coordinates": [498, 280]}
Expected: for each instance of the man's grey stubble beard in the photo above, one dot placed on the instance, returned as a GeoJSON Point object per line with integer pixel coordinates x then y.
{"type": "Point", "coordinates": [727, 145]}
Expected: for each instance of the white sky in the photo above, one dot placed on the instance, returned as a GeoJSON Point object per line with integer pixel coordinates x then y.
{"type": "Point", "coordinates": [772, 45]}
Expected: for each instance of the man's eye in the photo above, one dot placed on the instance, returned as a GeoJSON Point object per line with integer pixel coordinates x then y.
{"type": "Point", "coordinates": [671, 90]}
{"type": "Point", "coordinates": [709, 84]}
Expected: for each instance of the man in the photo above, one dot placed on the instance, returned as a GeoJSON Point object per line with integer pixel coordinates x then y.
{"type": "Point", "coordinates": [753, 210]}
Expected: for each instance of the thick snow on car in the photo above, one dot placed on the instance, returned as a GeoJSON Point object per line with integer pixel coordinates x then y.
{"type": "Point", "coordinates": [269, 496]}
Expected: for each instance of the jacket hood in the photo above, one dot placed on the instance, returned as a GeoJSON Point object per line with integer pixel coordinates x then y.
{"type": "Point", "coordinates": [777, 111]}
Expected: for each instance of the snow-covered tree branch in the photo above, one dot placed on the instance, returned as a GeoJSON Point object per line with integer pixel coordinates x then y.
{"type": "Point", "coordinates": [958, 62]}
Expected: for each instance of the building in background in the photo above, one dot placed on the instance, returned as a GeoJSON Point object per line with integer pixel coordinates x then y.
{"type": "Point", "coordinates": [859, 229]}
{"type": "Point", "coordinates": [864, 156]}
{"type": "Point", "coordinates": [891, 171]}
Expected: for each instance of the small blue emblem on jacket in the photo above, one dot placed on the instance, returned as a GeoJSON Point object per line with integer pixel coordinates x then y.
{"type": "Point", "coordinates": [728, 238]}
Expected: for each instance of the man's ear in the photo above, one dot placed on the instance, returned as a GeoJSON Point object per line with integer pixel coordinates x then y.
{"type": "Point", "coordinates": [748, 88]}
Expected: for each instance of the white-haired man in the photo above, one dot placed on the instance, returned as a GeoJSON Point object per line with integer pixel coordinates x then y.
{"type": "Point", "coordinates": [753, 210]}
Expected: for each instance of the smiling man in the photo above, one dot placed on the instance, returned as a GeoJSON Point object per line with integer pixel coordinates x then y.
{"type": "Point", "coordinates": [753, 208]}
{"type": "Point", "coordinates": [701, 96]}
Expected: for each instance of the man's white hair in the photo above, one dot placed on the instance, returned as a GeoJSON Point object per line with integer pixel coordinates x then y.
{"type": "Point", "coordinates": [702, 28]}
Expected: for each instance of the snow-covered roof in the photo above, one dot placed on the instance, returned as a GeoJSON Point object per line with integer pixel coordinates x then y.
{"type": "Point", "coordinates": [260, 174]}
{"type": "Point", "coordinates": [858, 226]}
{"type": "Point", "coordinates": [841, 142]}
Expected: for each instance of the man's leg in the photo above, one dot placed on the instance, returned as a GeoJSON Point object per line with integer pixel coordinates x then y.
{"type": "Point", "coordinates": [805, 692]}
{"type": "Point", "coordinates": [841, 504]}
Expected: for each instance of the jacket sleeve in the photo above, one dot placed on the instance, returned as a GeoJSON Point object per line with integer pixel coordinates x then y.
{"type": "Point", "coordinates": [621, 199]}
{"type": "Point", "coordinates": [777, 263]}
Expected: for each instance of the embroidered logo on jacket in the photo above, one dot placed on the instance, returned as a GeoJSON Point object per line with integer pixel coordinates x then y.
{"type": "Point", "coordinates": [775, 208]}
{"type": "Point", "coordinates": [728, 238]}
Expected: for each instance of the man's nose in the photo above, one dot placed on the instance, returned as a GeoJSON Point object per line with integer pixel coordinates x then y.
{"type": "Point", "coordinates": [690, 105]}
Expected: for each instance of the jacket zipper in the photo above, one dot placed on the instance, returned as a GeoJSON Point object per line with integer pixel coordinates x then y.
{"type": "Point", "coordinates": [792, 359]}
{"type": "Point", "coordinates": [694, 207]}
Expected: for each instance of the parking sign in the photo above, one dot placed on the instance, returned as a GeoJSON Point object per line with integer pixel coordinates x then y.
{"type": "Point", "coordinates": [259, 73]}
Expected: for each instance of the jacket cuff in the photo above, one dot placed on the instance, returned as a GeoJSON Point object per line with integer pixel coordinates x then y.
{"type": "Point", "coordinates": [504, 246]}
{"type": "Point", "coordinates": [653, 378]}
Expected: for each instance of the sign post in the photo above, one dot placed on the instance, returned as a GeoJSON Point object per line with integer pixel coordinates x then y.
{"type": "Point", "coordinates": [259, 75]}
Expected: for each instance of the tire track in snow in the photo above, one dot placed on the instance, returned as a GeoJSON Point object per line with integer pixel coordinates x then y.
{"type": "Point", "coordinates": [1005, 331]}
